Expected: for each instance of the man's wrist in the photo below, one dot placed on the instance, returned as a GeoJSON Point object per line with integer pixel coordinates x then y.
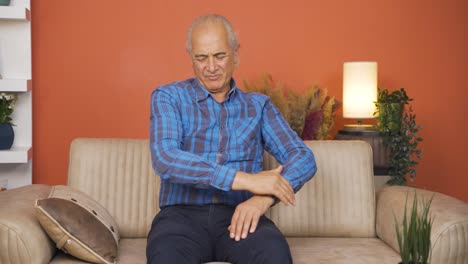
{"type": "Point", "coordinates": [267, 200]}
{"type": "Point", "coordinates": [270, 200]}
{"type": "Point", "coordinates": [240, 181]}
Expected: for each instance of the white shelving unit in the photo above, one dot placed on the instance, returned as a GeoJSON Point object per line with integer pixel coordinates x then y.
{"type": "Point", "coordinates": [15, 69]}
{"type": "Point", "coordinates": [15, 85]}
{"type": "Point", "coordinates": [14, 12]}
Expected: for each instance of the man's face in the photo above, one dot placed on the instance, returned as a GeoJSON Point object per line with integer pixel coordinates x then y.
{"type": "Point", "coordinates": [213, 59]}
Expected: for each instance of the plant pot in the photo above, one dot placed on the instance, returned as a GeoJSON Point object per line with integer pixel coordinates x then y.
{"type": "Point", "coordinates": [7, 136]}
{"type": "Point", "coordinates": [4, 2]}
{"type": "Point", "coordinates": [390, 116]}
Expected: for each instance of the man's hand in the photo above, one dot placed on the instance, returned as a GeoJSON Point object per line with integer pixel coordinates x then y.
{"type": "Point", "coordinates": [265, 183]}
{"type": "Point", "coordinates": [246, 216]}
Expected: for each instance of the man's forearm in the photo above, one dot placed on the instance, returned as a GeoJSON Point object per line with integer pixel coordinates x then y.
{"type": "Point", "coordinates": [265, 183]}
{"type": "Point", "coordinates": [240, 181]}
{"type": "Point", "coordinates": [268, 200]}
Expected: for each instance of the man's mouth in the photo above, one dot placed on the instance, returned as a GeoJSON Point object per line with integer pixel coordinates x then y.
{"type": "Point", "coordinates": [213, 77]}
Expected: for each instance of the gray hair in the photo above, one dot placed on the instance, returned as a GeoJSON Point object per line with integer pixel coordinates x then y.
{"type": "Point", "coordinates": [232, 36]}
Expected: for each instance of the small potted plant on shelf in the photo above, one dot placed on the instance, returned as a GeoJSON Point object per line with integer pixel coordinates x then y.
{"type": "Point", "coordinates": [414, 238]}
{"type": "Point", "coordinates": [7, 105]}
{"type": "Point", "coordinates": [397, 124]}
{"type": "Point", "coordinates": [5, 2]}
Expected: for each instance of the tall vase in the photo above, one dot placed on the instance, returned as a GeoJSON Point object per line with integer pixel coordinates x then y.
{"type": "Point", "coordinates": [7, 136]}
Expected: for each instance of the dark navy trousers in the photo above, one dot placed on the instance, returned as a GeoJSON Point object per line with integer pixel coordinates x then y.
{"type": "Point", "coordinates": [186, 234]}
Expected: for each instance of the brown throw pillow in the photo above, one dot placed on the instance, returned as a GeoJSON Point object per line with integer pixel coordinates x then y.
{"type": "Point", "coordinates": [79, 225]}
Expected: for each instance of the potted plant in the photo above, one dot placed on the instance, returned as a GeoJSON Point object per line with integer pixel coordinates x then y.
{"type": "Point", "coordinates": [414, 238]}
{"type": "Point", "coordinates": [397, 124]}
{"type": "Point", "coordinates": [7, 105]}
{"type": "Point", "coordinates": [310, 115]}
{"type": "Point", "coordinates": [5, 2]}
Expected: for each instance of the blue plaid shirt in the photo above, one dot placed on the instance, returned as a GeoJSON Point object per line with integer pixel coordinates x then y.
{"type": "Point", "coordinates": [198, 144]}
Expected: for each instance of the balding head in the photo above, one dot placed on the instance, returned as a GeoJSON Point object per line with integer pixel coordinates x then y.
{"type": "Point", "coordinates": [212, 19]}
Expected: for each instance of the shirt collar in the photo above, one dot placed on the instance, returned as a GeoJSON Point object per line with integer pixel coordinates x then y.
{"type": "Point", "coordinates": [202, 93]}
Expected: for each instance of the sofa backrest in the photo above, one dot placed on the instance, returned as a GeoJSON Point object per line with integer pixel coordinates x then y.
{"type": "Point", "coordinates": [118, 174]}
{"type": "Point", "coordinates": [338, 201]}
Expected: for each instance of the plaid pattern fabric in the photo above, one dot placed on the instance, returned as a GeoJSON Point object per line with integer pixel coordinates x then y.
{"type": "Point", "coordinates": [198, 144]}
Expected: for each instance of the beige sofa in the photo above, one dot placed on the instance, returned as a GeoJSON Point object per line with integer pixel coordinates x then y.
{"type": "Point", "coordinates": [337, 218]}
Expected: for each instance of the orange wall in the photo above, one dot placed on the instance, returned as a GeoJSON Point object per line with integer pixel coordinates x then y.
{"type": "Point", "coordinates": [95, 64]}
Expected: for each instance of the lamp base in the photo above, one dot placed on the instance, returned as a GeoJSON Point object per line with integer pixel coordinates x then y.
{"type": "Point", "coordinates": [360, 127]}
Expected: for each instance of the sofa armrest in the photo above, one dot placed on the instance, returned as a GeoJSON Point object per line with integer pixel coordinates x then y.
{"type": "Point", "coordinates": [22, 239]}
{"type": "Point", "coordinates": [449, 236]}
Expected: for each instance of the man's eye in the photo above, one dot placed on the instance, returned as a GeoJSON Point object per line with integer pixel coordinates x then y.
{"type": "Point", "coordinates": [201, 59]}
{"type": "Point", "coordinates": [220, 57]}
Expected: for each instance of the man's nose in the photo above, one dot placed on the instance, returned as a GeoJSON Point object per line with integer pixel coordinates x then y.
{"type": "Point", "coordinates": [211, 64]}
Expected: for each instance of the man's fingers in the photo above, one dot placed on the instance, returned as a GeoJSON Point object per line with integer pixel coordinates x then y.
{"type": "Point", "coordinates": [247, 222]}
{"type": "Point", "coordinates": [284, 193]}
{"type": "Point", "coordinates": [290, 195]}
{"type": "Point", "coordinates": [280, 194]}
{"type": "Point", "coordinates": [289, 191]}
{"type": "Point", "coordinates": [239, 225]}
{"type": "Point", "coordinates": [232, 227]}
{"type": "Point", "coordinates": [254, 224]}
{"type": "Point", "coordinates": [287, 184]}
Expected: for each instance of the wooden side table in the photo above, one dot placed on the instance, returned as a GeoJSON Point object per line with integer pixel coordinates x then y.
{"type": "Point", "coordinates": [380, 152]}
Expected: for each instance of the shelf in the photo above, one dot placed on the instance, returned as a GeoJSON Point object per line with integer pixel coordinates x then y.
{"type": "Point", "coordinates": [16, 154]}
{"type": "Point", "coordinates": [15, 62]}
{"type": "Point", "coordinates": [14, 12]}
{"type": "Point", "coordinates": [15, 85]}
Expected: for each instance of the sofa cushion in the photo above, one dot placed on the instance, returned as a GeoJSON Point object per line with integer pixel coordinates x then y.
{"type": "Point", "coordinates": [79, 225]}
{"type": "Point", "coordinates": [324, 250]}
{"type": "Point", "coordinates": [131, 251]}
{"type": "Point", "coordinates": [304, 251]}
{"type": "Point", "coordinates": [339, 201]}
{"type": "Point", "coordinates": [22, 239]}
{"type": "Point", "coordinates": [118, 174]}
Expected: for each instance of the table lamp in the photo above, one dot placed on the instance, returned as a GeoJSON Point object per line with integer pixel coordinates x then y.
{"type": "Point", "coordinates": [359, 92]}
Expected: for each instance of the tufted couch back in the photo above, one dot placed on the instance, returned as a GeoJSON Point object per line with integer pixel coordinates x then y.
{"type": "Point", "coordinates": [338, 201]}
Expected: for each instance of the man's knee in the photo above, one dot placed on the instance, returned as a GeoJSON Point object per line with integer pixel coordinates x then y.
{"type": "Point", "coordinates": [266, 245]}
{"type": "Point", "coordinates": [174, 239]}
{"type": "Point", "coordinates": [271, 248]}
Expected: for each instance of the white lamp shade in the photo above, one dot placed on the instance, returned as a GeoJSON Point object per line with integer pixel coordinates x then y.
{"type": "Point", "coordinates": [359, 89]}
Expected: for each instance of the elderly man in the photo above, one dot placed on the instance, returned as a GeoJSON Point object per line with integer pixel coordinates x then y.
{"type": "Point", "coordinates": [207, 143]}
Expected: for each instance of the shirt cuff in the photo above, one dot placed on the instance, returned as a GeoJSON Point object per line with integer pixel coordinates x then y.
{"type": "Point", "coordinates": [223, 177]}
